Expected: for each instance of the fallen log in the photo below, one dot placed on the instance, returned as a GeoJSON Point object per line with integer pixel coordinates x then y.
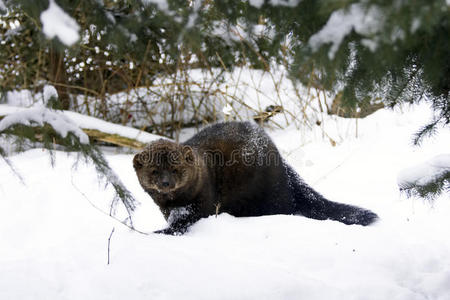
{"type": "Point", "coordinates": [114, 139]}
{"type": "Point", "coordinates": [110, 138]}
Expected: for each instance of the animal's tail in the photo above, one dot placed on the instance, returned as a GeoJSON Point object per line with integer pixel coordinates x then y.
{"type": "Point", "coordinates": [311, 204]}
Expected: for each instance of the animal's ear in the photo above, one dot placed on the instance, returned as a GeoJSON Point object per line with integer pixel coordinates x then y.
{"type": "Point", "coordinates": [188, 154]}
{"type": "Point", "coordinates": [137, 163]}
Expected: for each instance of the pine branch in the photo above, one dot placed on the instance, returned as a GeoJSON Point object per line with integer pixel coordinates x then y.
{"type": "Point", "coordinates": [424, 132]}
{"type": "Point", "coordinates": [429, 191]}
{"type": "Point", "coordinates": [102, 167]}
{"type": "Point", "coordinates": [48, 137]}
{"type": "Point", "coordinates": [10, 165]}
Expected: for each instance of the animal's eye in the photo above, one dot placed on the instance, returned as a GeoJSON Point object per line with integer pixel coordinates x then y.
{"type": "Point", "coordinates": [174, 171]}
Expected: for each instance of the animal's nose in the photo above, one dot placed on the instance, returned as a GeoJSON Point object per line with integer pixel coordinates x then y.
{"type": "Point", "coordinates": [165, 183]}
{"type": "Point", "coordinates": [165, 179]}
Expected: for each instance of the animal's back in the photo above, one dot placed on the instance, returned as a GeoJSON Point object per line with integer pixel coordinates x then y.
{"type": "Point", "coordinates": [246, 169]}
{"type": "Point", "coordinates": [243, 134]}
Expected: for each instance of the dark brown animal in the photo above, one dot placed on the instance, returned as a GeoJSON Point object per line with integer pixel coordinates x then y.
{"type": "Point", "coordinates": [231, 167]}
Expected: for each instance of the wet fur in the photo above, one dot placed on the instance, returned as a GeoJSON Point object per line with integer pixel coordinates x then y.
{"type": "Point", "coordinates": [231, 167]}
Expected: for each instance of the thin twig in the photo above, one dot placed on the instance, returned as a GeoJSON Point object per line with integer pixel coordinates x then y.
{"type": "Point", "coordinates": [109, 244]}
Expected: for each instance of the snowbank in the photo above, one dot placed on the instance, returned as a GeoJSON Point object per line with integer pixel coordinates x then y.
{"type": "Point", "coordinates": [54, 239]}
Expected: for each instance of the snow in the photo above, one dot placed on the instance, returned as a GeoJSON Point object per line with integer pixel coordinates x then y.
{"type": "Point", "coordinates": [415, 24]}
{"type": "Point", "coordinates": [176, 214]}
{"type": "Point", "coordinates": [87, 122]}
{"type": "Point", "coordinates": [54, 239]}
{"type": "Point", "coordinates": [57, 23]}
{"type": "Point", "coordinates": [40, 115]}
{"type": "Point", "coordinates": [256, 3]}
{"type": "Point", "coordinates": [19, 98]}
{"type": "Point", "coordinates": [364, 21]}
{"type": "Point", "coordinates": [259, 3]}
{"type": "Point", "coordinates": [426, 172]}
{"type": "Point", "coordinates": [196, 5]}
{"type": "Point", "coordinates": [290, 3]}
{"type": "Point", "coordinates": [233, 33]}
{"type": "Point", "coordinates": [49, 92]}
{"type": "Point", "coordinates": [227, 109]}
{"type": "Point", "coordinates": [162, 4]}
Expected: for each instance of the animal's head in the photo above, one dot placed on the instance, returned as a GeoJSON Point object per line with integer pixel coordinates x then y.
{"type": "Point", "coordinates": [164, 166]}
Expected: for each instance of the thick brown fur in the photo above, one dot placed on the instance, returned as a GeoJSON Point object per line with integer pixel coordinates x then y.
{"type": "Point", "coordinates": [231, 167]}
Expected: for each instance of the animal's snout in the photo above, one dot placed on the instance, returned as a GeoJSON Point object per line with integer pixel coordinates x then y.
{"type": "Point", "coordinates": [165, 179]}
{"type": "Point", "coordinates": [165, 183]}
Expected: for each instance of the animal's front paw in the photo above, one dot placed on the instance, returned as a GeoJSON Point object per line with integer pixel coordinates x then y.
{"type": "Point", "coordinates": [170, 231]}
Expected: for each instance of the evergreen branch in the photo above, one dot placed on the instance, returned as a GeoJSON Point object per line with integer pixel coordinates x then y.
{"type": "Point", "coordinates": [424, 132]}
{"type": "Point", "coordinates": [102, 167]}
{"type": "Point", "coordinates": [48, 136]}
{"type": "Point", "coordinates": [429, 191]}
{"type": "Point", "coordinates": [10, 165]}
{"type": "Point", "coordinates": [398, 90]}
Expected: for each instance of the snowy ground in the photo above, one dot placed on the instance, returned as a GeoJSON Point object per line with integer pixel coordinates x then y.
{"type": "Point", "coordinates": [53, 238]}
